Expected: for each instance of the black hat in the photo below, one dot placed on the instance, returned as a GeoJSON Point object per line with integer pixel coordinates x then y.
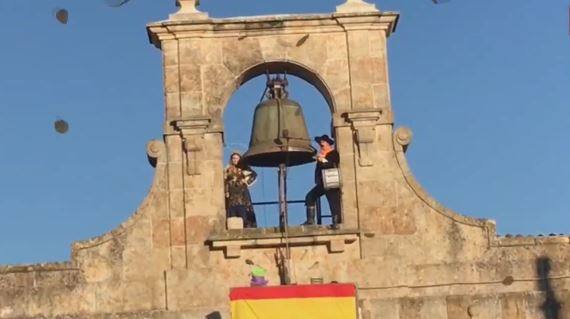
{"type": "Point", "coordinates": [325, 138]}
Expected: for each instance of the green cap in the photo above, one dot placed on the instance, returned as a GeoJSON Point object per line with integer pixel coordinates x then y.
{"type": "Point", "coordinates": [258, 271]}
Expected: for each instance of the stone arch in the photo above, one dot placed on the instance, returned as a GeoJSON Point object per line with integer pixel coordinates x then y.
{"type": "Point", "coordinates": [237, 140]}
{"type": "Point", "coordinates": [289, 67]}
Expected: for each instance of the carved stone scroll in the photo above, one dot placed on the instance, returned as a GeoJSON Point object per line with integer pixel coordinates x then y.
{"type": "Point", "coordinates": [192, 133]}
{"type": "Point", "coordinates": [364, 127]}
{"type": "Point", "coordinates": [404, 137]}
{"type": "Point", "coordinates": [154, 149]}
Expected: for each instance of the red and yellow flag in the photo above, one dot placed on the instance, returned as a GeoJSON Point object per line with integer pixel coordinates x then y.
{"type": "Point", "coordinates": [330, 301]}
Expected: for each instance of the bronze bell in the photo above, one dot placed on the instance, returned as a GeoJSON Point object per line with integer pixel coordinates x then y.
{"type": "Point", "coordinates": [279, 134]}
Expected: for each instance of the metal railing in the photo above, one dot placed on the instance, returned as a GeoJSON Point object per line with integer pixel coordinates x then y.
{"type": "Point", "coordinates": [319, 216]}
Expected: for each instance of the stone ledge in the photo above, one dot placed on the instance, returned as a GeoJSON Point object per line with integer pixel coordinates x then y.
{"type": "Point", "coordinates": [531, 241]}
{"type": "Point", "coordinates": [55, 266]}
{"type": "Point", "coordinates": [233, 241]}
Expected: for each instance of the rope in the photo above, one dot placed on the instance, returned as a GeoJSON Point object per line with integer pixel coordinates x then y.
{"type": "Point", "coordinates": [263, 196]}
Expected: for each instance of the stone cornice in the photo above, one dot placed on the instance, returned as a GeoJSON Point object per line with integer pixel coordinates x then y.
{"type": "Point", "coordinates": [364, 117]}
{"type": "Point", "coordinates": [192, 126]}
{"type": "Point", "coordinates": [371, 116]}
{"type": "Point", "coordinates": [273, 24]}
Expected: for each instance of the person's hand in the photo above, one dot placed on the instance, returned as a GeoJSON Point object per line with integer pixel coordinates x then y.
{"type": "Point", "coordinates": [227, 195]}
{"type": "Point", "coordinates": [322, 159]}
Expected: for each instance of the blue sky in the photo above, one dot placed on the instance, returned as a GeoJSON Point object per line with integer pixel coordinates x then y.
{"type": "Point", "coordinates": [484, 85]}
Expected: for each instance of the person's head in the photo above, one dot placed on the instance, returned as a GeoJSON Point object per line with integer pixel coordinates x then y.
{"type": "Point", "coordinates": [235, 158]}
{"type": "Point", "coordinates": [324, 141]}
{"type": "Point", "coordinates": [324, 144]}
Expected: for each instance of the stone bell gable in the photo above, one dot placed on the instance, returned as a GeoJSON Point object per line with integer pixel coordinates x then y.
{"type": "Point", "coordinates": [409, 256]}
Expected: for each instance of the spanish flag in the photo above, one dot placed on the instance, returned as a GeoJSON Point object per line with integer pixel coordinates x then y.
{"type": "Point", "coordinates": [329, 301]}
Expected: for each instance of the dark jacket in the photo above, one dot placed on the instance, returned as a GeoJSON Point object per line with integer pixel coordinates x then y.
{"type": "Point", "coordinates": [333, 160]}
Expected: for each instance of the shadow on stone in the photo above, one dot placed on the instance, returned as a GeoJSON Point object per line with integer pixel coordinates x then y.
{"type": "Point", "coordinates": [551, 306]}
{"type": "Point", "coordinates": [214, 315]}
{"type": "Point", "coordinates": [281, 262]}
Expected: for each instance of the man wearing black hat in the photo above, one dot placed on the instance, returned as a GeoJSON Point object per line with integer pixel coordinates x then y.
{"type": "Point", "coordinates": [327, 157]}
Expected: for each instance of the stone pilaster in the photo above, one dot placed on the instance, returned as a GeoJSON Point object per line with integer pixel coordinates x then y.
{"type": "Point", "coordinates": [192, 133]}
{"type": "Point", "coordinates": [363, 124]}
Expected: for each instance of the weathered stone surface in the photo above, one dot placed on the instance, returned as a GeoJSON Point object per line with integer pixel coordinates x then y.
{"type": "Point", "coordinates": [385, 308]}
{"type": "Point", "coordinates": [171, 79]}
{"type": "Point", "coordinates": [239, 55]}
{"type": "Point", "coordinates": [161, 233]}
{"type": "Point", "coordinates": [170, 53]}
{"type": "Point", "coordinates": [411, 308]}
{"type": "Point", "coordinates": [218, 84]}
{"type": "Point", "coordinates": [514, 306]}
{"type": "Point", "coordinates": [197, 228]}
{"type": "Point", "coordinates": [190, 77]}
{"type": "Point", "coordinates": [172, 105]}
{"type": "Point", "coordinates": [191, 102]}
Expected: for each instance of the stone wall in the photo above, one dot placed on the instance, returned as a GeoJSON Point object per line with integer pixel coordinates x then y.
{"type": "Point", "coordinates": [409, 256]}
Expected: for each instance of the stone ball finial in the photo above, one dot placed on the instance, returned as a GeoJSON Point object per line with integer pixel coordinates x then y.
{"type": "Point", "coordinates": [356, 6]}
{"type": "Point", "coordinates": [188, 10]}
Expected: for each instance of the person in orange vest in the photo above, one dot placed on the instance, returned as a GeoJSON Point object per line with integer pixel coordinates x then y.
{"type": "Point", "coordinates": [327, 157]}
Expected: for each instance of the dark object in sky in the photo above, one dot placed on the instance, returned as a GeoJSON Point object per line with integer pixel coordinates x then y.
{"type": "Point", "coordinates": [62, 16]}
{"type": "Point", "coordinates": [439, 1]}
{"type": "Point", "coordinates": [116, 3]}
{"type": "Point", "coordinates": [61, 126]}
